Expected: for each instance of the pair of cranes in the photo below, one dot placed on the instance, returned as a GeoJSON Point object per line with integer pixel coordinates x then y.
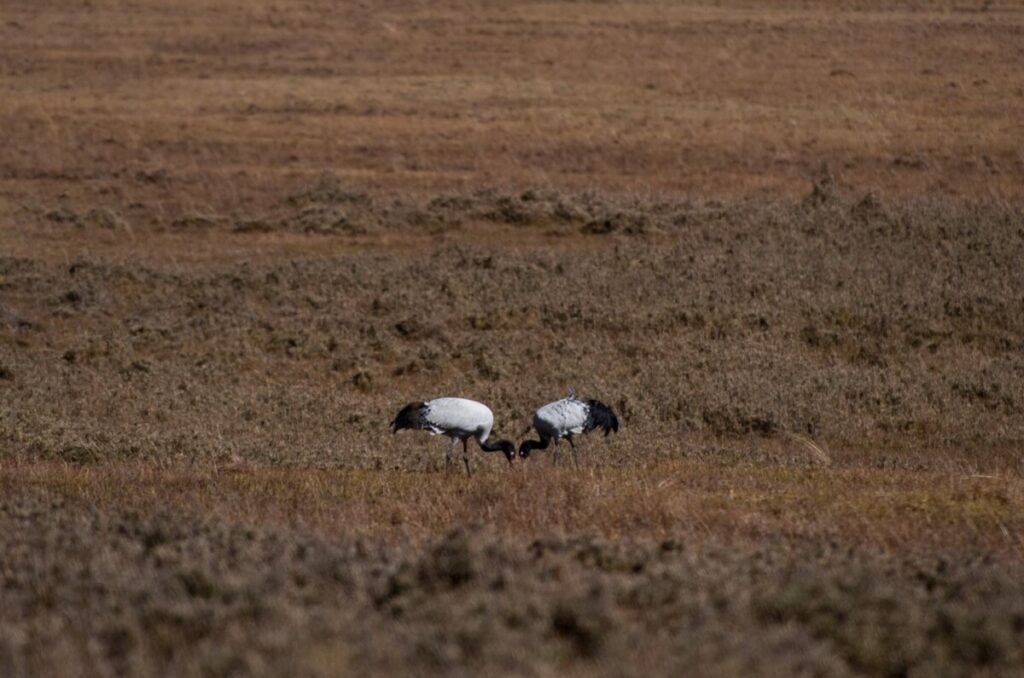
{"type": "Point", "coordinates": [462, 419]}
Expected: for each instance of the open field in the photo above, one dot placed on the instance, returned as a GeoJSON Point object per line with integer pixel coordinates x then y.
{"type": "Point", "coordinates": [819, 469]}
{"type": "Point", "coordinates": [783, 242]}
{"type": "Point", "coordinates": [826, 331]}
{"type": "Point", "coordinates": [159, 109]}
{"type": "Point", "coordinates": [736, 571]}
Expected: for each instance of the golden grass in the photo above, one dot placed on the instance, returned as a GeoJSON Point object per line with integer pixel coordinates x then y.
{"type": "Point", "coordinates": [688, 500]}
{"type": "Point", "coordinates": [149, 111]}
{"type": "Point", "coordinates": [222, 106]}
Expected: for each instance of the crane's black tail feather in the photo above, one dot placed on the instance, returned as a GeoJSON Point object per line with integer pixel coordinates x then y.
{"type": "Point", "coordinates": [602, 417]}
{"type": "Point", "coordinates": [411, 416]}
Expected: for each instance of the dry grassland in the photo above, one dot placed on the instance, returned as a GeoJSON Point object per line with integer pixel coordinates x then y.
{"type": "Point", "coordinates": [197, 106]}
{"type": "Point", "coordinates": [693, 501]}
{"type": "Point", "coordinates": [236, 237]}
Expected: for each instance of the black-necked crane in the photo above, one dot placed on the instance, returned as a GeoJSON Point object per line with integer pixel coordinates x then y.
{"type": "Point", "coordinates": [565, 418]}
{"type": "Point", "coordinates": [457, 418]}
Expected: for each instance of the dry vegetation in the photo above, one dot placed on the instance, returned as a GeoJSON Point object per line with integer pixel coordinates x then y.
{"type": "Point", "coordinates": [107, 591]}
{"type": "Point", "coordinates": [891, 334]}
{"type": "Point", "coordinates": [235, 238]}
{"type": "Point", "coordinates": [158, 108]}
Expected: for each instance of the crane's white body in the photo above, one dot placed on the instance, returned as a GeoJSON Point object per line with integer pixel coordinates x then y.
{"type": "Point", "coordinates": [458, 418]}
{"type": "Point", "coordinates": [565, 417]}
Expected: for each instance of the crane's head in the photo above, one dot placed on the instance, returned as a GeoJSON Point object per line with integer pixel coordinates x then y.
{"type": "Point", "coordinates": [526, 448]}
{"type": "Point", "coordinates": [508, 448]}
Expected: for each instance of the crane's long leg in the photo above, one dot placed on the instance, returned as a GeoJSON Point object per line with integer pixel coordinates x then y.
{"type": "Point", "coordinates": [448, 456]}
{"type": "Point", "coordinates": [575, 461]}
{"type": "Point", "coordinates": [465, 457]}
{"type": "Point", "coordinates": [554, 452]}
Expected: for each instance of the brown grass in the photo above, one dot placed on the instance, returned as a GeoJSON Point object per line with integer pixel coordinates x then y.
{"type": "Point", "coordinates": [688, 500]}
{"type": "Point", "coordinates": [204, 108]}
{"type": "Point", "coordinates": [783, 241]}
{"type": "Point", "coordinates": [889, 333]}
{"type": "Point", "coordinates": [131, 569]}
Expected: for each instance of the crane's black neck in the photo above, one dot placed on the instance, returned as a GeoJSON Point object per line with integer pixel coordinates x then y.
{"type": "Point", "coordinates": [506, 446]}
{"type": "Point", "coordinates": [530, 445]}
{"type": "Point", "coordinates": [491, 447]}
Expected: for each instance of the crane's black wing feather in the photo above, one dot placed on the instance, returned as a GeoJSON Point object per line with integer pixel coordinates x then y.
{"type": "Point", "coordinates": [600, 416]}
{"type": "Point", "coordinates": [411, 416]}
